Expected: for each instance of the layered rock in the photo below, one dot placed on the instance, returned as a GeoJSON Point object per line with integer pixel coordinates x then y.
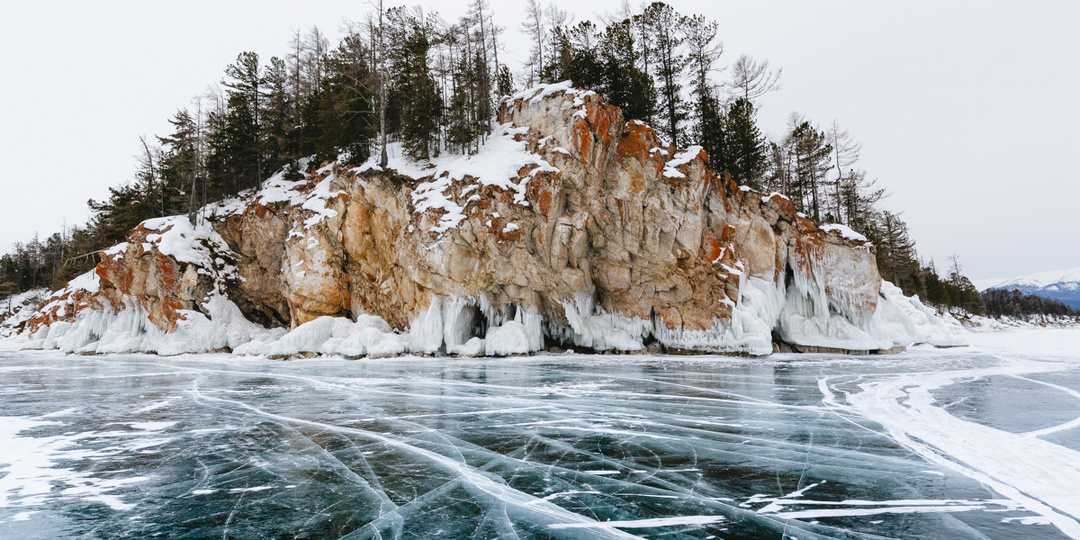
{"type": "Point", "coordinates": [571, 227]}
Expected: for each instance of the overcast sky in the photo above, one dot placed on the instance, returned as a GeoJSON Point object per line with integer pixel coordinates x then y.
{"type": "Point", "coordinates": [967, 112]}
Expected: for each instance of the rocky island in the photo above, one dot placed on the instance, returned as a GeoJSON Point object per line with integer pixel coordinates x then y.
{"type": "Point", "coordinates": [573, 227]}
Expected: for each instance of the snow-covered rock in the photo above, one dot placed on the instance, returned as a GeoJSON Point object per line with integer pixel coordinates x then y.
{"type": "Point", "coordinates": [570, 227]}
{"type": "Point", "coordinates": [16, 310]}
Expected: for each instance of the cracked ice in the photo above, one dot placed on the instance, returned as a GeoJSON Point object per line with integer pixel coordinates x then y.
{"type": "Point", "coordinates": [961, 443]}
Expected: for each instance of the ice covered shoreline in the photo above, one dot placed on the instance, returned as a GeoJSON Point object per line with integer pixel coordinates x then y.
{"type": "Point", "coordinates": [898, 322]}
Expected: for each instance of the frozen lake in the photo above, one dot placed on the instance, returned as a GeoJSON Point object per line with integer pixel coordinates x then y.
{"type": "Point", "coordinates": [977, 442]}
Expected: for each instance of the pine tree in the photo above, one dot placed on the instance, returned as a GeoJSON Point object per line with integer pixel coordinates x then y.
{"type": "Point", "coordinates": [180, 167]}
{"type": "Point", "coordinates": [234, 148]}
{"type": "Point", "coordinates": [781, 167]}
{"type": "Point", "coordinates": [895, 249]}
{"type": "Point", "coordinates": [624, 84]}
{"type": "Point", "coordinates": [662, 23]}
{"type": "Point", "coordinates": [463, 129]}
{"type": "Point", "coordinates": [935, 290]}
{"type": "Point", "coordinates": [505, 81]}
{"type": "Point", "coordinates": [149, 175]}
{"type": "Point", "coordinates": [558, 45]}
{"type": "Point", "coordinates": [858, 198]}
{"type": "Point", "coordinates": [112, 219]}
{"type": "Point", "coordinates": [414, 95]}
{"type": "Point", "coordinates": [484, 47]}
{"type": "Point", "coordinates": [562, 52]}
{"type": "Point", "coordinates": [745, 145]}
{"type": "Point", "coordinates": [710, 131]}
{"type": "Point", "coordinates": [584, 69]}
{"type": "Point", "coordinates": [280, 116]}
{"type": "Point", "coordinates": [341, 117]}
{"type": "Point", "coordinates": [703, 51]}
{"type": "Point", "coordinates": [246, 86]}
{"type": "Point", "coordinates": [812, 159]}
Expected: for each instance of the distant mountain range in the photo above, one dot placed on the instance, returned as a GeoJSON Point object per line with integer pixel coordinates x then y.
{"type": "Point", "coordinates": [1063, 285]}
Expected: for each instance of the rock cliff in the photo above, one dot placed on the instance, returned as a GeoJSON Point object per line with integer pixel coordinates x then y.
{"type": "Point", "coordinates": [573, 227]}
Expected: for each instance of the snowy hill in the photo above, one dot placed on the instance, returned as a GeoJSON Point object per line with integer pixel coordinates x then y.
{"type": "Point", "coordinates": [1063, 285]}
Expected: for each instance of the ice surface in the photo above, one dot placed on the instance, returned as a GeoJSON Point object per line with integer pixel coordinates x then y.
{"type": "Point", "coordinates": [1034, 473]}
{"type": "Point", "coordinates": [610, 446]}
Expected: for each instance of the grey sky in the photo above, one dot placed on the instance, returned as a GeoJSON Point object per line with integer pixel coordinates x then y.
{"type": "Point", "coordinates": [967, 111]}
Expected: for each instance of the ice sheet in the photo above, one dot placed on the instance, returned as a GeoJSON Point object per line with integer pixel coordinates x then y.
{"type": "Point", "coordinates": [544, 446]}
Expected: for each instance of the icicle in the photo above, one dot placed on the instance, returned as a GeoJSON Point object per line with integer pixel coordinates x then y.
{"type": "Point", "coordinates": [426, 332]}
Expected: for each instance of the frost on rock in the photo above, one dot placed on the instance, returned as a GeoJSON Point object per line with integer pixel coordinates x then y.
{"type": "Point", "coordinates": [92, 316]}
{"type": "Point", "coordinates": [176, 237]}
{"type": "Point", "coordinates": [806, 318]}
{"type": "Point", "coordinates": [510, 338]}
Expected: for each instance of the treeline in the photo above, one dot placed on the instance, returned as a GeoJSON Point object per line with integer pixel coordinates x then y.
{"type": "Point", "coordinates": [660, 66]}
{"type": "Point", "coordinates": [1017, 305]}
{"type": "Point", "coordinates": [399, 75]}
{"type": "Point", "coordinates": [408, 76]}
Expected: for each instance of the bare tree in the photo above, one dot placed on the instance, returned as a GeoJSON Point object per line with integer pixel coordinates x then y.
{"type": "Point", "coordinates": [751, 80]}
{"type": "Point", "coordinates": [956, 270]}
{"type": "Point", "coordinates": [845, 155]}
{"type": "Point", "coordinates": [149, 172]}
{"type": "Point", "coordinates": [533, 26]}
{"type": "Point", "coordinates": [703, 50]}
{"type": "Point", "coordinates": [494, 31]}
{"type": "Point", "coordinates": [295, 62]}
{"type": "Point", "coordinates": [200, 147]}
{"type": "Point", "coordinates": [314, 49]}
{"type": "Point", "coordinates": [377, 34]}
{"type": "Point", "coordinates": [621, 14]}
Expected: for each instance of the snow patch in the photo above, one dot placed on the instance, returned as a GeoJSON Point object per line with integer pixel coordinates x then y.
{"type": "Point", "coordinates": [539, 92]}
{"type": "Point", "coordinates": [843, 230]}
{"type": "Point", "coordinates": [498, 164]}
{"type": "Point", "coordinates": [680, 159]}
